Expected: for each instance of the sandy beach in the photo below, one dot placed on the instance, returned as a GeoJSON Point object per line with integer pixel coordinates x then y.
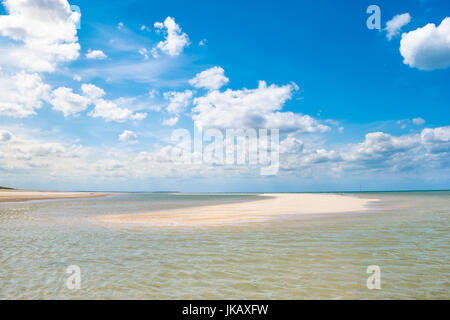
{"type": "Point", "coordinates": [269, 207]}
{"type": "Point", "coordinates": [25, 195]}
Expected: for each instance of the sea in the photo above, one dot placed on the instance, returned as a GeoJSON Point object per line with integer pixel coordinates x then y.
{"type": "Point", "coordinates": [398, 249]}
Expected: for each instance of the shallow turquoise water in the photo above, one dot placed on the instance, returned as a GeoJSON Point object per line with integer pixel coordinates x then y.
{"type": "Point", "coordinates": [304, 257]}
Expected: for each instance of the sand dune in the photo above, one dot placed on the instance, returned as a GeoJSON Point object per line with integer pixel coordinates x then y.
{"type": "Point", "coordinates": [271, 206]}
{"type": "Point", "coordinates": [25, 195]}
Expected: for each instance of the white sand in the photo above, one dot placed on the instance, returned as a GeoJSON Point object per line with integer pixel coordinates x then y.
{"type": "Point", "coordinates": [268, 208]}
{"type": "Point", "coordinates": [25, 195]}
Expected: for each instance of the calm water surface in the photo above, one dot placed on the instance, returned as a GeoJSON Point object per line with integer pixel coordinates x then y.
{"type": "Point", "coordinates": [310, 257]}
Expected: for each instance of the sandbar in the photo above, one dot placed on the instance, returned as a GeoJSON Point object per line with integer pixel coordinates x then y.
{"type": "Point", "coordinates": [268, 207]}
{"type": "Point", "coordinates": [26, 195]}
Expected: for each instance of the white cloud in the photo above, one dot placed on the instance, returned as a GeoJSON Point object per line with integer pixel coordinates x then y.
{"type": "Point", "coordinates": [153, 93]}
{"type": "Point", "coordinates": [171, 121]}
{"type": "Point", "coordinates": [44, 33]}
{"type": "Point", "coordinates": [109, 165]}
{"type": "Point", "coordinates": [5, 136]}
{"type": "Point", "coordinates": [128, 137]}
{"type": "Point", "coordinates": [21, 94]}
{"type": "Point", "coordinates": [418, 121]}
{"type": "Point", "coordinates": [291, 145]}
{"type": "Point", "coordinates": [436, 140]}
{"type": "Point", "coordinates": [32, 155]}
{"type": "Point", "coordinates": [211, 79]}
{"type": "Point", "coordinates": [110, 111]}
{"type": "Point", "coordinates": [380, 142]}
{"type": "Point", "coordinates": [178, 101]}
{"type": "Point", "coordinates": [379, 152]}
{"type": "Point", "coordinates": [403, 123]}
{"type": "Point", "coordinates": [144, 52]}
{"type": "Point", "coordinates": [321, 156]}
{"type": "Point", "coordinates": [440, 134]}
{"type": "Point", "coordinates": [64, 100]}
{"type": "Point", "coordinates": [202, 42]}
{"type": "Point", "coordinates": [252, 108]}
{"type": "Point", "coordinates": [92, 91]}
{"type": "Point", "coordinates": [175, 40]}
{"type": "Point", "coordinates": [120, 25]}
{"type": "Point", "coordinates": [289, 121]}
{"type": "Point", "coordinates": [427, 48]}
{"type": "Point", "coordinates": [96, 54]}
{"type": "Point", "coordinates": [380, 149]}
{"type": "Point", "coordinates": [77, 77]}
{"type": "Point", "coordinates": [394, 25]}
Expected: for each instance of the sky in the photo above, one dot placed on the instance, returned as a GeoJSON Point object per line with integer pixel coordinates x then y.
{"type": "Point", "coordinates": [90, 97]}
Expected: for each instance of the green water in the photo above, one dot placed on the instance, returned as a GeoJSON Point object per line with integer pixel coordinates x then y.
{"type": "Point", "coordinates": [301, 257]}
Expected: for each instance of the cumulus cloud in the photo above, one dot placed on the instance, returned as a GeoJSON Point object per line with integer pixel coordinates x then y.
{"type": "Point", "coordinates": [110, 111]}
{"type": "Point", "coordinates": [291, 145]}
{"type": "Point", "coordinates": [31, 154]}
{"type": "Point", "coordinates": [175, 40]}
{"type": "Point", "coordinates": [394, 25]}
{"type": "Point", "coordinates": [321, 156]}
{"type": "Point", "coordinates": [153, 93]}
{"type": "Point", "coordinates": [380, 151]}
{"type": "Point", "coordinates": [128, 137]}
{"type": "Point", "coordinates": [379, 147]}
{"type": "Point", "coordinates": [96, 54]}
{"type": "Point", "coordinates": [178, 101]}
{"type": "Point", "coordinates": [418, 121]}
{"type": "Point", "coordinates": [290, 122]}
{"type": "Point", "coordinates": [21, 94]}
{"type": "Point", "coordinates": [43, 33]}
{"type": "Point", "coordinates": [427, 48]}
{"type": "Point", "coordinates": [252, 108]}
{"type": "Point", "coordinates": [109, 165]}
{"type": "Point", "coordinates": [106, 109]}
{"type": "Point", "coordinates": [92, 91]}
{"type": "Point", "coordinates": [171, 121]}
{"type": "Point", "coordinates": [211, 79]}
{"type": "Point", "coordinates": [436, 140]}
{"type": "Point", "coordinates": [144, 52]}
{"type": "Point", "coordinates": [5, 135]}
{"type": "Point", "coordinates": [64, 100]}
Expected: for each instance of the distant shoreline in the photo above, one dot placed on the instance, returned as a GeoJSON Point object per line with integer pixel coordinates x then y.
{"type": "Point", "coordinates": [12, 195]}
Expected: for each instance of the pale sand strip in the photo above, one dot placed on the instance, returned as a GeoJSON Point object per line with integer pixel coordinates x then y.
{"type": "Point", "coordinates": [25, 195]}
{"type": "Point", "coordinates": [271, 206]}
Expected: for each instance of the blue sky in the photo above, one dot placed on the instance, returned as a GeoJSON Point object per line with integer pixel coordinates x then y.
{"type": "Point", "coordinates": [364, 109]}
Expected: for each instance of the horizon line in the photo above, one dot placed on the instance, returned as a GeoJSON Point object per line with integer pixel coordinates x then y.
{"type": "Point", "coordinates": [237, 192]}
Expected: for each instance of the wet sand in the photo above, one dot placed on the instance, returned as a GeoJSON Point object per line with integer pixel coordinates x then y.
{"type": "Point", "coordinates": [269, 207]}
